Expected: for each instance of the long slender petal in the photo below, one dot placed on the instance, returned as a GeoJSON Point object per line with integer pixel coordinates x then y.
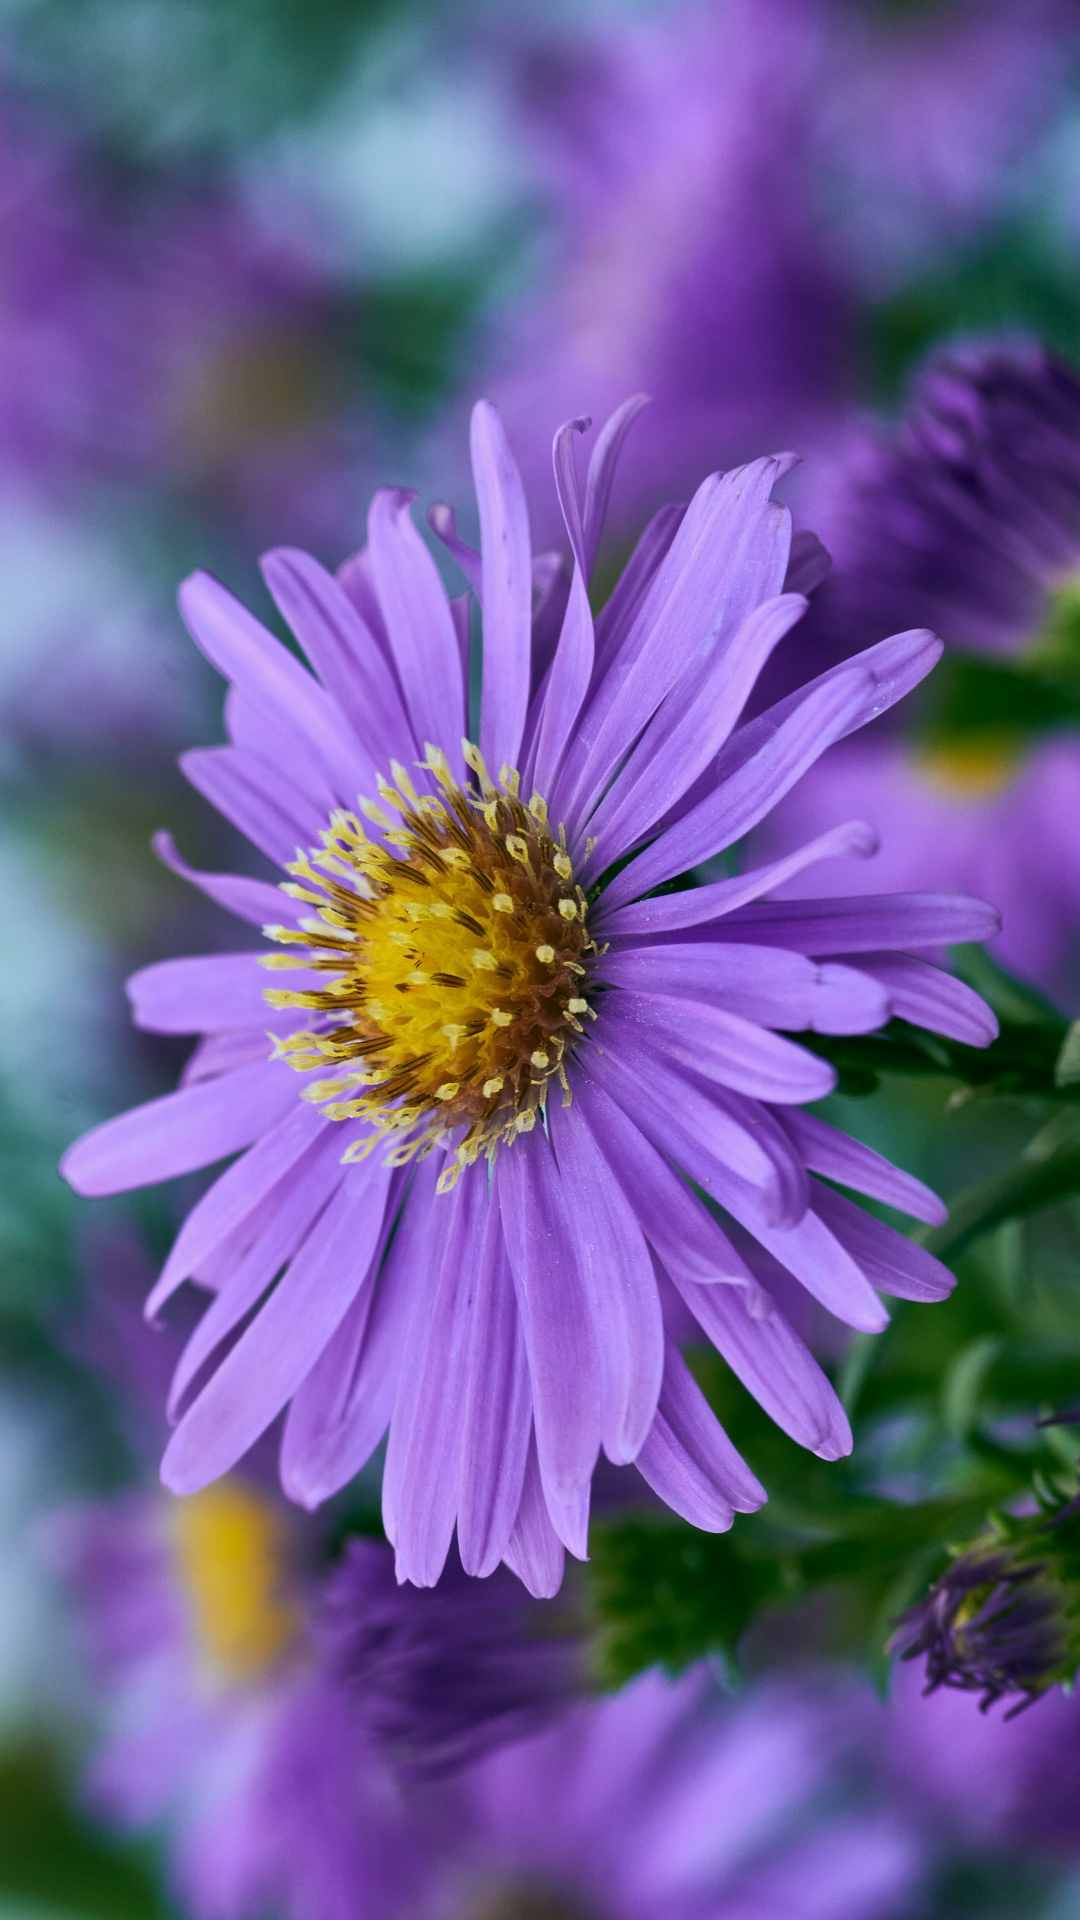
{"type": "Point", "coordinates": [418, 623]}
{"type": "Point", "coordinates": [181, 1131]}
{"type": "Point", "coordinates": [688, 1459]}
{"type": "Point", "coordinates": [751, 1333]}
{"type": "Point", "coordinates": [262, 1371]}
{"type": "Point", "coordinates": [618, 1279]}
{"type": "Point", "coordinates": [497, 1407]}
{"type": "Point", "coordinates": [253, 900]}
{"type": "Point", "coordinates": [826, 1150]}
{"type": "Point", "coordinates": [667, 912]}
{"type": "Point", "coordinates": [738, 803]}
{"type": "Point", "coordinates": [506, 559]}
{"type": "Point", "coordinates": [865, 923]}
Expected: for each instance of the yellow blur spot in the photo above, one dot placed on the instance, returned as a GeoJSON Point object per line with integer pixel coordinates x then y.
{"type": "Point", "coordinates": [230, 1550]}
{"type": "Point", "coordinates": [971, 769]}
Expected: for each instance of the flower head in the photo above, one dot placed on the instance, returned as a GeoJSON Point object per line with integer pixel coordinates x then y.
{"type": "Point", "coordinates": [1003, 1620]}
{"type": "Point", "coordinates": [968, 519]}
{"type": "Point", "coordinates": [540, 1085]}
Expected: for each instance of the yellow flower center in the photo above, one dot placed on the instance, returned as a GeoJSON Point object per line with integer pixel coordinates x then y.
{"type": "Point", "coordinates": [229, 1546]}
{"type": "Point", "coordinates": [455, 948]}
{"type": "Point", "coordinates": [972, 768]}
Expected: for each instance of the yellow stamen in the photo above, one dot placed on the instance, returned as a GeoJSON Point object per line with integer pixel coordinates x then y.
{"type": "Point", "coordinates": [450, 954]}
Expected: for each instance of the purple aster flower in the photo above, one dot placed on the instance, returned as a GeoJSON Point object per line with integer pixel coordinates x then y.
{"type": "Point", "coordinates": [217, 1717]}
{"type": "Point", "coordinates": [654, 1804]}
{"type": "Point", "coordinates": [968, 520]}
{"type": "Point", "coordinates": [168, 333]}
{"type": "Point", "coordinates": [515, 1092]}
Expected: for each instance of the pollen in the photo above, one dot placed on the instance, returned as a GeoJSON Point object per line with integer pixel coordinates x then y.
{"type": "Point", "coordinates": [446, 960]}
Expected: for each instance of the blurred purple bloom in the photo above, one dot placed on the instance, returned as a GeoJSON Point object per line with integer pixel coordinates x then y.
{"type": "Point", "coordinates": [967, 519]}
{"type": "Point", "coordinates": [653, 1806]}
{"type": "Point", "coordinates": [161, 332]}
{"type": "Point", "coordinates": [441, 1677]}
{"type": "Point", "coordinates": [686, 254]}
{"type": "Point", "coordinates": [927, 112]}
{"type": "Point", "coordinates": [219, 1720]}
{"type": "Point", "coordinates": [470, 954]}
{"type": "Point", "coordinates": [988, 1778]}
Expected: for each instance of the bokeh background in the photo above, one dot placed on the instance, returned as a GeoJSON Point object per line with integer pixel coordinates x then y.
{"type": "Point", "coordinates": [257, 258]}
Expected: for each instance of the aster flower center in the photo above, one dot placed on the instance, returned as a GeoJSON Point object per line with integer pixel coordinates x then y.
{"type": "Point", "coordinates": [229, 1548]}
{"type": "Point", "coordinates": [455, 947]}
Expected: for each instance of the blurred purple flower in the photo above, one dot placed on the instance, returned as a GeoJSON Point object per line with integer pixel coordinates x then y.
{"type": "Point", "coordinates": [218, 1718]}
{"type": "Point", "coordinates": [157, 331]}
{"type": "Point", "coordinates": [506, 1320]}
{"type": "Point", "coordinates": [927, 113]}
{"type": "Point", "coordinates": [967, 519]}
{"type": "Point", "coordinates": [653, 1806]}
{"type": "Point", "coordinates": [685, 253]}
{"type": "Point", "coordinates": [984, 1777]}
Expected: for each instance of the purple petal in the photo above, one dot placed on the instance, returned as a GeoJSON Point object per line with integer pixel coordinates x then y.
{"type": "Point", "coordinates": [252, 900]}
{"type": "Point", "coordinates": [341, 1411]}
{"type": "Point", "coordinates": [929, 998]}
{"type": "Point", "coordinates": [423, 1454]}
{"type": "Point", "coordinates": [267, 810]}
{"type": "Point", "coordinates": [246, 1185]}
{"type": "Point", "coordinates": [729, 553]}
{"type": "Point", "coordinates": [496, 1409]}
{"type": "Point", "coordinates": [621, 610]}
{"type": "Point", "coordinates": [766, 985]}
{"type": "Point", "coordinates": [565, 1361]}
{"type": "Point", "coordinates": [864, 923]}
{"type": "Point", "coordinates": [774, 1366]}
{"type": "Point", "coordinates": [262, 1371]}
{"type": "Point", "coordinates": [826, 1150]}
{"type": "Point", "coordinates": [684, 1234]}
{"type": "Point", "coordinates": [603, 463]}
{"type": "Point", "coordinates": [893, 667]}
{"type": "Point", "coordinates": [219, 1053]}
{"type": "Point", "coordinates": [726, 1047]}
{"type": "Point", "coordinates": [737, 803]}
{"type": "Point", "coordinates": [181, 1131]}
{"type": "Point", "coordinates": [827, 1270]}
{"type": "Point", "coordinates": [687, 732]}
{"type": "Point", "coordinates": [618, 1279]}
{"type": "Point", "coordinates": [206, 994]}
{"type": "Point", "coordinates": [688, 1459]}
{"type": "Point", "coordinates": [889, 1259]}
{"type": "Point", "coordinates": [744, 1169]}
{"type": "Point", "coordinates": [564, 688]}
{"type": "Point", "coordinates": [506, 593]}
{"type": "Point", "coordinates": [267, 676]}
{"type": "Point", "coordinates": [417, 616]}
{"type": "Point", "coordinates": [535, 1552]}
{"type": "Point", "coordinates": [344, 652]}
{"type": "Point", "coordinates": [281, 1228]}
{"type": "Point", "coordinates": [694, 905]}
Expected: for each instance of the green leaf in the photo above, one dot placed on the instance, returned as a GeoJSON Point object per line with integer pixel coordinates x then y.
{"type": "Point", "coordinates": [666, 1595]}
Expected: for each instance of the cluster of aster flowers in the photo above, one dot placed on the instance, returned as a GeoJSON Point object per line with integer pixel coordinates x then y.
{"type": "Point", "coordinates": [524, 1099]}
